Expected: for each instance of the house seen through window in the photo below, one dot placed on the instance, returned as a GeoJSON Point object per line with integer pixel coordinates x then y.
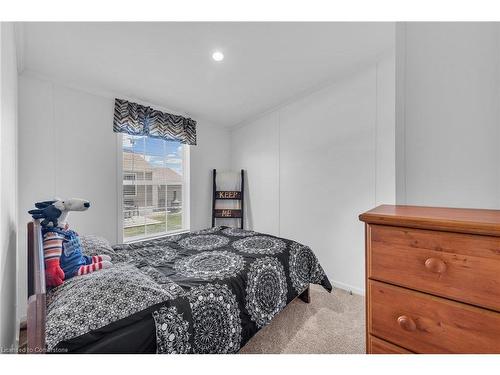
{"type": "Point", "coordinates": [154, 187]}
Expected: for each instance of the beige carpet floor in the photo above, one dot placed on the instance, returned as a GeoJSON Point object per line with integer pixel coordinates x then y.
{"type": "Point", "coordinates": [331, 323]}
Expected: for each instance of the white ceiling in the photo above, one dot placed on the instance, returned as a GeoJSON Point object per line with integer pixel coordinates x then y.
{"type": "Point", "coordinates": [169, 64]}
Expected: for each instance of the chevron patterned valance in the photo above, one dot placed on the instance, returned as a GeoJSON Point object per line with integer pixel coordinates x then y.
{"type": "Point", "coordinates": [136, 119]}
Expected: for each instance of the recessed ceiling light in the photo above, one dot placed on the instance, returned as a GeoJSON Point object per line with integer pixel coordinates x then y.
{"type": "Point", "coordinates": [218, 56]}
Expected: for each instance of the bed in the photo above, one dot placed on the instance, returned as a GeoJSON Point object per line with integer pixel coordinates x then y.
{"type": "Point", "coordinates": [207, 291]}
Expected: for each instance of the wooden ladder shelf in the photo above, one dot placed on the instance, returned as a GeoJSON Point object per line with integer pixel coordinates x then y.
{"type": "Point", "coordinates": [227, 213]}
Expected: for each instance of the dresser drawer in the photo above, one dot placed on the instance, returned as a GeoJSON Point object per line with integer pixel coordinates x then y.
{"type": "Point", "coordinates": [378, 346]}
{"type": "Point", "coordinates": [428, 324]}
{"type": "Point", "coordinates": [463, 267]}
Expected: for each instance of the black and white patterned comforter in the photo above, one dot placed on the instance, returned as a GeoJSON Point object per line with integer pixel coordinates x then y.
{"type": "Point", "coordinates": [208, 291]}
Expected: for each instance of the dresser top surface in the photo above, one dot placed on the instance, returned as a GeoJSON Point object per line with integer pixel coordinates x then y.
{"type": "Point", "coordinates": [464, 220]}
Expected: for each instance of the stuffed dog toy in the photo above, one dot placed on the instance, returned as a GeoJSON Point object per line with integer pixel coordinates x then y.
{"type": "Point", "coordinates": [62, 247]}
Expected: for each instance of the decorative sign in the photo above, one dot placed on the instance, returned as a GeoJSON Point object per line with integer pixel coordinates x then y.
{"type": "Point", "coordinates": [228, 194]}
{"type": "Point", "coordinates": [227, 213]}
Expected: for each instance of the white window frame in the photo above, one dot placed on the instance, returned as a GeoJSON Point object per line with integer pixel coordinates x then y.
{"type": "Point", "coordinates": [186, 197]}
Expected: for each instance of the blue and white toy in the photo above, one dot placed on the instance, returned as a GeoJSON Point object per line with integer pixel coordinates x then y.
{"type": "Point", "coordinates": [62, 247]}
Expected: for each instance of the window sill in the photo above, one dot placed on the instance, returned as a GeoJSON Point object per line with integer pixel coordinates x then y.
{"type": "Point", "coordinates": [153, 236]}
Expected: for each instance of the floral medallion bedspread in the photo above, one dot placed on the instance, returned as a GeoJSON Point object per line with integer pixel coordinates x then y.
{"type": "Point", "coordinates": [208, 291]}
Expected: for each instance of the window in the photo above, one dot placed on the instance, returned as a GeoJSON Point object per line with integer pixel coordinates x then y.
{"type": "Point", "coordinates": [154, 187]}
{"type": "Point", "coordinates": [129, 190]}
{"type": "Point", "coordinates": [129, 176]}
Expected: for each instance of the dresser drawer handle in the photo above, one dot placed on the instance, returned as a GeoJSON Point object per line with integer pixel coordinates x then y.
{"type": "Point", "coordinates": [407, 323]}
{"type": "Point", "coordinates": [435, 265]}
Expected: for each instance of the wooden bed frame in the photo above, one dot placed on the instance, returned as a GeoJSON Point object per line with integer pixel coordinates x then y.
{"type": "Point", "coordinates": [36, 291]}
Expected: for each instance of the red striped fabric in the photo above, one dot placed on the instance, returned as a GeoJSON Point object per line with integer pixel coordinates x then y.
{"type": "Point", "coordinates": [83, 270]}
{"type": "Point", "coordinates": [52, 246]}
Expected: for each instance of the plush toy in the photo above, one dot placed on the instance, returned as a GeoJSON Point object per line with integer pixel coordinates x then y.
{"type": "Point", "coordinates": [62, 247]}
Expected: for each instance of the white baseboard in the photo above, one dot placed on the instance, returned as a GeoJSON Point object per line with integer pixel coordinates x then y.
{"type": "Point", "coordinates": [349, 288]}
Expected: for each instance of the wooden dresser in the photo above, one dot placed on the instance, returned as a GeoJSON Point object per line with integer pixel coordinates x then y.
{"type": "Point", "coordinates": [432, 280]}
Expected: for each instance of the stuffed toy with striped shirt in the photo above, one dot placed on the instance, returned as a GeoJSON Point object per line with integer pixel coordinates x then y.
{"type": "Point", "coordinates": [62, 246]}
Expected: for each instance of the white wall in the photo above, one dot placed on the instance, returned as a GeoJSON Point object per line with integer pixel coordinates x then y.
{"type": "Point", "coordinates": [255, 148]}
{"type": "Point", "coordinates": [212, 151]}
{"type": "Point", "coordinates": [448, 119]}
{"type": "Point", "coordinates": [67, 148]}
{"type": "Point", "coordinates": [8, 185]}
{"type": "Point", "coordinates": [315, 164]}
{"type": "Point", "coordinates": [385, 168]}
